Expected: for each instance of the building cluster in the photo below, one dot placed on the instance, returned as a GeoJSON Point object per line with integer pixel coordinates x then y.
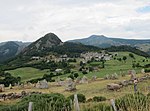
{"type": "Point", "coordinates": [85, 56]}
{"type": "Point", "coordinates": [96, 56]}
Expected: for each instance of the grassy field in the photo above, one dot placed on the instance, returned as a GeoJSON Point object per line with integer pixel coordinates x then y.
{"type": "Point", "coordinates": [28, 73]}
{"type": "Point", "coordinates": [95, 88]}
{"type": "Point", "coordinates": [115, 66]}
{"type": "Point", "coordinates": [111, 67]}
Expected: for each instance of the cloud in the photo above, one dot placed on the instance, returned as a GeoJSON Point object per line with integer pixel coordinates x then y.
{"type": "Point", "coordinates": [28, 20]}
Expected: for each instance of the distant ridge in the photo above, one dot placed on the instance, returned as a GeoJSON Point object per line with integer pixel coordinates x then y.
{"type": "Point", "coordinates": [10, 49]}
{"type": "Point", "coordinates": [105, 42]}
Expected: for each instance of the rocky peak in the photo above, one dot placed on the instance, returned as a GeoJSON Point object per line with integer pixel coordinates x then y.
{"type": "Point", "coordinates": [45, 42]}
{"type": "Point", "coordinates": [48, 40]}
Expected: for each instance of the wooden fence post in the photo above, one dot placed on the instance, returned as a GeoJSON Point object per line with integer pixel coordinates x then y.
{"type": "Point", "coordinates": [113, 104]}
{"type": "Point", "coordinates": [76, 103]}
{"type": "Point", "coordinates": [30, 106]}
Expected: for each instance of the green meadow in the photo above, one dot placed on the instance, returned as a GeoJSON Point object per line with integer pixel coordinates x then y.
{"type": "Point", "coordinates": [111, 67]}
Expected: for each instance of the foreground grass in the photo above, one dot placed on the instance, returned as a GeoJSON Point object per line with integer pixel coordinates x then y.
{"type": "Point", "coordinates": [95, 88]}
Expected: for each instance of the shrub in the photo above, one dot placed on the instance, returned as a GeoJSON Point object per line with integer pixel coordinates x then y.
{"type": "Point", "coordinates": [71, 76]}
{"type": "Point", "coordinates": [7, 79]}
{"type": "Point", "coordinates": [133, 102]}
{"type": "Point", "coordinates": [99, 98]}
{"type": "Point", "coordinates": [97, 107]}
{"type": "Point", "coordinates": [131, 55]}
{"type": "Point", "coordinates": [147, 70]}
{"type": "Point", "coordinates": [76, 75]}
{"type": "Point", "coordinates": [81, 98]}
{"type": "Point", "coordinates": [43, 102]}
{"type": "Point", "coordinates": [67, 71]}
{"type": "Point", "coordinates": [91, 69]}
{"type": "Point", "coordinates": [84, 72]}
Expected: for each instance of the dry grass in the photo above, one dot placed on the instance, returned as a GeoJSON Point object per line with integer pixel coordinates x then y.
{"type": "Point", "coordinates": [96, 88]}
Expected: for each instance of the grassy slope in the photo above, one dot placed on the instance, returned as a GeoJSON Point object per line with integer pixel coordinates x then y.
{"type": "Point", "coordinates": [27, 73]}
{"type": "Point", "coordinates": [111, 67]}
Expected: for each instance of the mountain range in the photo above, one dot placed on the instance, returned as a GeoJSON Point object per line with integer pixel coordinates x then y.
{"type": "Point", "coordinates": [50, 43]}
{"type": "Point", "coordinates": [105, 42]}
{"type": "Point", "coordinates": [11, 48]}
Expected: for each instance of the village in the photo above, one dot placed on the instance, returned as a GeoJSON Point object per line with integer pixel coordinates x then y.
{"type": "Point", "coordinates": [85, 57]}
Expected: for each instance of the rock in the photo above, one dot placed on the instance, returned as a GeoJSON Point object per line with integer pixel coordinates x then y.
{"type": "Point", "coordinates": [94, 78]}
{"type": "Point", "coordinates": [42, 84]}
{"type": "Point", "coordinates": [133, 74]}
{"type": "Point", "coordinates": [84, 80]}
{"type": "Point", "coordinates": [70, 85]}
{"type": "Point", "coordinates": [143, 71]}
{"type": "Point", "coordinates": [124, 83]}
{"type": "Point", "coordinates": [107, 77]}
{"type": "Point", "coordinates": [2, 88]}
{"type": "Point", "coordinates": [60, 83]}
{"type": "Point", "coordinates": [113, 86]}
{"type": "Point", "coordinates": [10, 86]}
{"type": "Point", "coordinates": [114, 76]}
{"type": "Point", "coordinates": [77, 81]}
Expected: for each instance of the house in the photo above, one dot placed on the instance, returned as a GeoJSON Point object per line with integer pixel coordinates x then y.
{"type": "Point", "coordinates": [35, 58]}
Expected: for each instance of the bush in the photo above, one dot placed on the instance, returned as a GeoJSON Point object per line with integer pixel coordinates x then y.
{"type": "Point", "coordinates": [71, 76]}
{"type": "Point", "coordinates": [131, 55]}
{"type": "Point", "coordinates": [147, 70]}
{"type": "Point", "coordinates": [133, 102]}
{"type": "Point", "coordinates": [67, 71]}
{"type": "Point", "coordinates": [97, 107]}
{"type": "Point", "coordinates": [42, 102]}
{"type": "Point", "coordinates": [81, 98]}
{"type": "Point", "coordinates": [84, 72]}
{"type": "Point", "coordinates": [91, 69]}
{"type": "Point", "coordinates": [76, 75]}
{"type": "Point", "coordinates": [7, 79]}
{"type": "Point", "coordinates": [99, 98]}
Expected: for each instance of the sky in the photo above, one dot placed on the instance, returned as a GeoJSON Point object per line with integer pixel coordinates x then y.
{"type": "Point", "coordinates": [28, 20]}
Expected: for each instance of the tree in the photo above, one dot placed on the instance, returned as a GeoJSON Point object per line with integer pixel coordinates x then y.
{"type": "Point", "coordinates": [81, 63]}
{"type": "Point", "coordinates": [103, 64]}
{"type": "Point", "coordinates": [91, 69]}
{"type": "Point", "coordinates": [67, 71]}
{"type": "Point", "coordinates": [119, 59]}
{"type": "Point", "coordinates": [76, 75]}
{"type": "Point", "coordinates": [84, 72]}
{"type": "Point", "coordinates": [71, 76]}
{"type": "Point", "coordinates": [48, 77]}
{"type": "Point", "coordinates": [131, 55]}
{"type": "Point", "coordinates": [124, 58]}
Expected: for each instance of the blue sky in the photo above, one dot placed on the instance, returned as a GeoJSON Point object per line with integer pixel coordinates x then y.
{"type": "Point", "coordinates": [145, 9]}
{"type": "Point", "coordinates": [28, 20]}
